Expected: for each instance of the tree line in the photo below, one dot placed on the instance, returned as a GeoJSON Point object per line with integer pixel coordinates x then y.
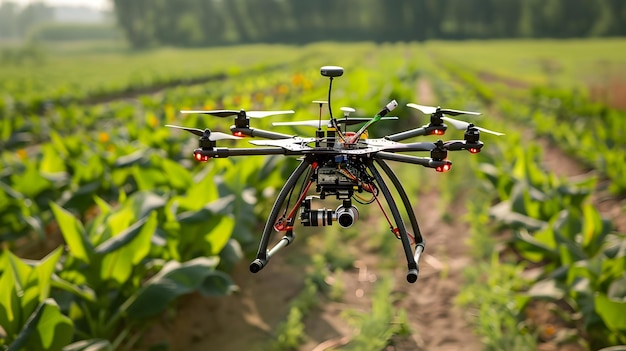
{"type": "Point", "coordinates": [217, 22]}
{"type": "Point", "coordinates": [15, 22]}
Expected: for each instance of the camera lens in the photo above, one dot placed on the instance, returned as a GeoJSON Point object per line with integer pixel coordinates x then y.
{"type": "Point", "coordinates": [346, 216]}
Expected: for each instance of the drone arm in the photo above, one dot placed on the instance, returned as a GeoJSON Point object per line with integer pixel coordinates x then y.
{"type": "Point", "coordinates": [424, 130]}
{"type": "Point", "coordinates": [419, 146]}
{"type": "Point", "coordinates": [258, 133]}
{"type": "Point", "coordinates": [457, 145]}
{"type": "Point", "coordinates": [221, 152]}
{"type": "Point", "coordinates": [423, 161]}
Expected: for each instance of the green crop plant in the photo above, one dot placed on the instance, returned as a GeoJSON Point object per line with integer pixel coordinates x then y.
{"type": "Point", "coordinates": [29, 318]}
{"type": "Point", "coordinates": [555, 227]}
{"type": "Point", "coordinates": [105, 289]}
{"type": "Point", "coordinates": [375, 329]}
{"type": "Point", "coordinates": [496, 304]}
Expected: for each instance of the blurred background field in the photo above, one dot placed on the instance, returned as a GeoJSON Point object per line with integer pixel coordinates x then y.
{"type": "Point", "coordinates": [114, 238]}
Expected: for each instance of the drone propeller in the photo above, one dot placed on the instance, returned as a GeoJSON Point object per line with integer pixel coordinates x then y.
{"type": "Point", "coordinates": [213, 136]}
{"type": "Point", "coordinates": [315, 123]}
{"type": "Point", "coordinates": [462, 125]}
{"type": "Point", "coordinates": [430, 110]}
{"type": "Point", "coordinates": [228, 113]}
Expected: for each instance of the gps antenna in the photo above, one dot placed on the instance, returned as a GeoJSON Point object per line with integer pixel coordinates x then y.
{"type": "Point", "coordinates": [331, 72]}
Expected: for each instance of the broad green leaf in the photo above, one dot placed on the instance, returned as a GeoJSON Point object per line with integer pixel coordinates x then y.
{"type": "Point", "coordinates": [201, 192]}
{"type": "Point", "coordinates": [546, 289]}
{"type": "Point", "coordinates": [174, 280]}
{"type": "Point", "coordinates": [220, 234]}
{"type": "Point", "coordinates": [46, 329]}
{"type": "Point", "coordinates": [121, 239]}
{"type": "Point", "coordinates": [617, 290]}
{"type": "Point", "coordinates": [217, 283]}
{"type": "Point", "coordinates": [179, 177]}
{"type": "Point", "coordinates": [82, 291]}
{"type": "Point", "coordinates": [73, 233]}
{"type": "Point", "coordinates": [51, 161]}
{"type": "Point", "coordinates": [44, 271]}
{"type": "Point", "coordinates": [144, 202]}
{"type": "Point", "coordinates": [125, 250]}
{"type": "Point", "coordinates": [58, 143]}
{"type": "Point", "coordinates": [31, 183]}
{"type": "Point", "coordinates": [612, 312]}
{"type": "Point", "coordinates": [537, 247]}
{"type": "Point", "coordinates": [502, 212]}
{"type": "Point", "coordinates": [202, 215]}
{"type": "Point", "coordinates": [594, 229]}
{"type": "Point", "coordinates": [10, 309]}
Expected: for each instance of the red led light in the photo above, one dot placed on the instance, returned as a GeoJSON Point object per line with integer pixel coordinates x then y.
{"type": "Point", "coordinates": [238, 134]}
{"type": "Point", "coordinates": [438, 132]}
{"type": "Point", "coordinates": [200, 157]}
{"type": "Point", "coordinates": [474, 150]}
{"type": "Point", "coordinates": [443, 168]}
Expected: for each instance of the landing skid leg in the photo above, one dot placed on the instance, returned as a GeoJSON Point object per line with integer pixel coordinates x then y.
{"type": "Point", "coordinates": [263, 256]}
{"type": "Point", "coordinates": [412, 273]}
{"type": "Point", "coordinates": [420, 245]}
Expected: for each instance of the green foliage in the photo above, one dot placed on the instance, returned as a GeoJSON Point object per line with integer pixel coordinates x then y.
{"type": "Point", "coordinates": [243, 21]}
{"type": "Point", "coordinates": [30, 319]}
{"type": "Point", "coordinates": [142, 223]}
{"type": "Point", "coordinates": [555, 226]}
{"type": "Point", "coordinates": [376, 328]}
{"type": "Point", "coordinates": [494, 298]}
{"type": "Point", "coordinates": [71, 32]}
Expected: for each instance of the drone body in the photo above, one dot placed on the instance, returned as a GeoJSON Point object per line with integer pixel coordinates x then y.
{"type": "Point", "coordinates": [342, 165]}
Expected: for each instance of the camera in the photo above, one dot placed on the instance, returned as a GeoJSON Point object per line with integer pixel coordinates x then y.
{"type": "Point", "coordinates": [345, 215]}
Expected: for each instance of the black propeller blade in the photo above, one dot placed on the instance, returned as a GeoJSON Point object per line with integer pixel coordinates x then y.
{"type": "Point", "coordinates": [213, 136]}
{"type": "Point", "coordinates": [229, 113]}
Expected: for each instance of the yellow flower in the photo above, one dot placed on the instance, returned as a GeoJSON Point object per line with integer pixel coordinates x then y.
{"type": "Point", "coordinates": [22, 154]}
{"type": "Point", "coordinates": [282, 89]}
{"type": "Point", "coordinates": [104, 137]}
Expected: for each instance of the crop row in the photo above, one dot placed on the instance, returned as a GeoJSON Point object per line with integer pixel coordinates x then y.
{"type": "Point", "coordinates": [560, 249]}
{"type": "Point", "coordinates": [590, 131]}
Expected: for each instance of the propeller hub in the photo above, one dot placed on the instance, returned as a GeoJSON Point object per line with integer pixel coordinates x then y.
{"type": "Point", "coordinates": [439, 152]}
{"type": "Point", "coordinates": [472, 134]}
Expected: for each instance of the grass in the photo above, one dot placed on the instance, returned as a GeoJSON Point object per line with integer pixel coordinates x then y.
{"type": "Point", "coordinates": [565, 63]}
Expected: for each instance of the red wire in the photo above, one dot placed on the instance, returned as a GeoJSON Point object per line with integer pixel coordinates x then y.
{"type": "Point", "coordinates": [394, 230]}
{"type": "Point", "coordinates": [279, 226]}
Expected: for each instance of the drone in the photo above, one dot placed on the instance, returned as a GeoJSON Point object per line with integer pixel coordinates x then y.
{"type": "Point", "coordinates": [340, 164]}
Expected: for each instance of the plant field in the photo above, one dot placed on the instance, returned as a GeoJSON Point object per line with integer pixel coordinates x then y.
{"type": "Point", "coordinates": [113, 236]}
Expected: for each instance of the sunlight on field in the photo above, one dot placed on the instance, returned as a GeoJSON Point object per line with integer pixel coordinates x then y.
{"type": "Point", "coordinates": [105, 209]}
{"type": "Point", "coordinates": [562, 63]}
